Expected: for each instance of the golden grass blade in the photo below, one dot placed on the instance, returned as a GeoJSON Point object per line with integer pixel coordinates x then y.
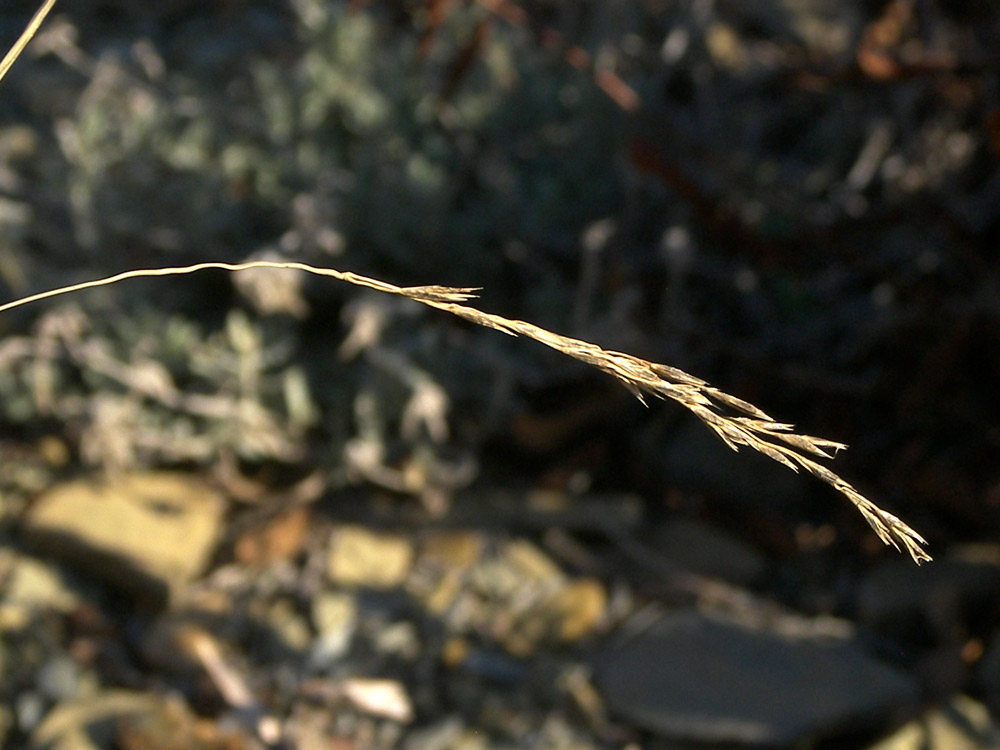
{"type": "Point", "coordinates": [22, 41]}
{"type": "Point", "coordinates": [726, 415]}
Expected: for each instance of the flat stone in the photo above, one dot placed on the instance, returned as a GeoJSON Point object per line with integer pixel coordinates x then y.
{"type": "Point", "coordinates": [359, 557]}
{"type": "Point", "coordinates": [147, 534]}
{"type": "Point", "coordinates": [692, 677]}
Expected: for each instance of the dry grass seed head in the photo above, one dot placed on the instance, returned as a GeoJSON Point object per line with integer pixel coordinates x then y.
{"type": "Point", "coordinates": [737, 422]}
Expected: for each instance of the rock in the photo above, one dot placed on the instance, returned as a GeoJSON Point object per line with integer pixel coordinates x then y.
{"type": "Point", "coordinates": [399, 639]}
{"type": "Point", "coordinates": [442, 566]}
{"type": "Point", "coordinates": [700, 548]}
{"type": "Point", "coordinates": [168, 724]}
{"type": "Point", "coordinates": [59, 677]}
{"type": "Point", "coordinates": [692, 677]}
{"type": "Point", "coordinates": [168, 645]}
{"type": "Point", "coordinates": [545, 605]}
{"type": "Point", "coordinates": [359, 557]}
{"type": "Point", "coordinates": [519, 587]}
{"type": "Point", "coordinates": [29, 708]}
{"type": "Point", "coordinates": [448, 734]}
{"type": "Point", "coordinates": [335, 617]}
{"type": "Point", "coordinates": [280, 538]}
{"type": "Point", "coordinates": [940, 599]}
{"type": "Point", "coordinates": [289, 627]}
{"type": "Point", "coordinates": [514, 594]}
{"type": "Point", "coordinates": [452, 549]}
{"type": "Point", "coordinates": [386, 699]}
{"type": "Point", "coordinates": [32, 585]}
{"type": "Point", "coordinates": [960, 724]}
{"type": "Point", "coordinates": [579, 607]}
{"type": "Point", "coordinates": [528, 562]}
{"type": "Point", "coordinates": [311, 727]}
{"type": "Point", "coordinates": [89, 722]}
{"type": "Point", "coordinates": [147, 534]}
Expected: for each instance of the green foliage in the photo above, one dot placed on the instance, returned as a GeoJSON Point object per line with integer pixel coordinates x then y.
{"type": "Point", "coordinates": [355, 131]}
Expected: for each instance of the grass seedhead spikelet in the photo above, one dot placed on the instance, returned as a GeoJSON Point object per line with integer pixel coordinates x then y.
{"type": "Point", "coordinates": [737, 422]}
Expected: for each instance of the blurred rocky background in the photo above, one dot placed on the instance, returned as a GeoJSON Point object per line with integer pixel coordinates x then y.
{"type": "Point", "coordinates": [269, 510]}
